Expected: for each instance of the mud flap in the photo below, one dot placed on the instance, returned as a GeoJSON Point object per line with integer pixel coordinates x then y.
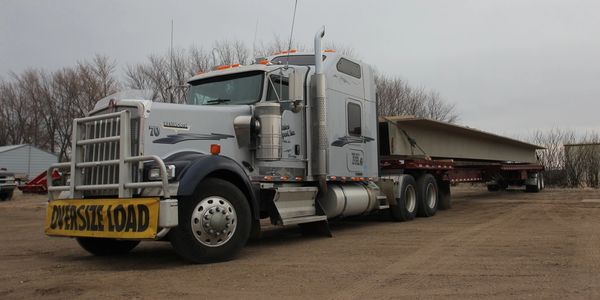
{"type": "Point", "coordinates": [320, 228]}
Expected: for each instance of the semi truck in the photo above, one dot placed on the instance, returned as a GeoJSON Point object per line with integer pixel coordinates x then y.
{"type": "Point", "coordinates": [293, 139]}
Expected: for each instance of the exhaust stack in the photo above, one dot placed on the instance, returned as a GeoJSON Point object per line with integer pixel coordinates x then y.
{"type": "Point", "coordinates": [320, 169]}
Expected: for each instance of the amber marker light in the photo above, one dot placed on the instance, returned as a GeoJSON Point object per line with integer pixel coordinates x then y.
{"type": "Point", "coordinates": [215, 149]}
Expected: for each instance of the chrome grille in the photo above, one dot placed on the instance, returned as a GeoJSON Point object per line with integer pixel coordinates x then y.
{"type": "Point", "coordinates": [108, 174]}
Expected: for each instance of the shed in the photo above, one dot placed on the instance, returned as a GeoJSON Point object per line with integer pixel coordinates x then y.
{"type": "Point", "coordinates": [26, 160]}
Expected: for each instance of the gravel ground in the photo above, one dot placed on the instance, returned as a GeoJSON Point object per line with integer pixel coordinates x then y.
{"type": "Point", "coordinates": [489, 245]}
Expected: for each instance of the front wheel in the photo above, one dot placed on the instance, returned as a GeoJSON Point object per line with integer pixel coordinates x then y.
{"type": "Point", "coordinates": [214, 223]}
{"type": "Point", "coordinates": [106, 247]}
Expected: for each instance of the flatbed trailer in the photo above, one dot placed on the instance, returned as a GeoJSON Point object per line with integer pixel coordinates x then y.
{"type": "Point", "coordinates": [456, 154]}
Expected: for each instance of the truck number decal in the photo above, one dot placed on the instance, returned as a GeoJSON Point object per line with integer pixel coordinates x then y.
{"type": "Point", "coordinates": [154, 130]}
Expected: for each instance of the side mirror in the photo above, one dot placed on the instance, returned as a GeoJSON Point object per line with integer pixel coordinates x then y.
{"type": "Point", "coordinates": [296, 88]}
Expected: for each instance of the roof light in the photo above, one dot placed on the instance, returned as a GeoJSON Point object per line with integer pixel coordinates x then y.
{"type": "Point", "coordinates": [223, 67]}
{"type": "Point", "coordinates": [328, 50]}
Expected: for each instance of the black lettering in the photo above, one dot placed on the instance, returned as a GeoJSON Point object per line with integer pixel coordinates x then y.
{"type": "Point", "coordinates": [73, 217]}
{"type": "Point", "coordinates": [120, 218]}
{"type": "Point", "coordinates": [54, 217]}
{"type": "Point", "coordinates": [99, 214]}
{"type": "Point", "coordinates": [111, 226]}
{"type": "Point", "coordinates": [143, 218]}
{"type": "Point", "coordinates": [66, 216]}
{"type": "Point", "coordinates": [131, 220]}
{"type": "Point", "coordinates": [80, 216]}
{"type": "Point", "coordinates": [94, 226]}
{"type": "Point", "coordinates": [87, 217]}
{"type": "Point", "coordinates": [61, 215]}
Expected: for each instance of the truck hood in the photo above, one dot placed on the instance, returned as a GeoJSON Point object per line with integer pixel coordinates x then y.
{"type": "Point", "coordinates": [173, 128]}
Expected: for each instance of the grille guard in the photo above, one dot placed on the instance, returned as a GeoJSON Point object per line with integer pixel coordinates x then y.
{"type": "Point", "coordinates": [125, 185]}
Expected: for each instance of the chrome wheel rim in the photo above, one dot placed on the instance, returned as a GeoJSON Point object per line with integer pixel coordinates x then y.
{"type": "Point", "coordinates": [411, 198]}
{"type": "Point", "coordinates": [213, 221]}
{"type": "Point", "coordinates": [430, 196]}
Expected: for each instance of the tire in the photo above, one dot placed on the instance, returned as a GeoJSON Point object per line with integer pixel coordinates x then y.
{"type": "Point", "coordinates": [6, 196]}
{"type": "Point", "coordinates": [106, 247]}
{"type": "Point", "coordinates": [427, 194]}
{"type": "Point", "coordinates": [214, 223]}
{"type": "Point", "coordinates": [534, 188]}
{"type": "Point", "coordinates": [493, 188]}
{"type": "Point", "coordinates": [407, 203]}
{"type": "Point", "coordinates": [444, 195]}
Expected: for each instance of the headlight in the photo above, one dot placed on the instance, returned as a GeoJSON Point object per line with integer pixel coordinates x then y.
{"type": "Point", "coordinates": [154, 173]}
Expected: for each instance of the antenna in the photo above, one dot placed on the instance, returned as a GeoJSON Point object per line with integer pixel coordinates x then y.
{"type": "Point", "coordinates": [172, 67]}
{"type": "Point", "coordinates": [287, 61]}
{"type": "Point", "coordinates": [254, 41]}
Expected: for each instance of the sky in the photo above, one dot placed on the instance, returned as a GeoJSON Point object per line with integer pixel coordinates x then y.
{"type": "Point", "coordinates": [510, 66]}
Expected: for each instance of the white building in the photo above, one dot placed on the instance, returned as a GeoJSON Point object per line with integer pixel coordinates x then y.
{"type": "Point", "coordinates": [25, 160]}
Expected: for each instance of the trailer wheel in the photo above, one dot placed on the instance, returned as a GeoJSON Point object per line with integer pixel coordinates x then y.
{"type": "Point", "coordinates": [493, 188]}
{"type": "Point", "coordinates": [534, 188]}
{"type": "Point", "coordinates": [427, 193]}
{"type": "Point", "coordinates": [406, 207]}
{"type": "Point", "coordinates": [444, 195]}
{"type": "Point", "coordinates": [106, 247]}
{"type": "Point", "coordinates": [214, 223]}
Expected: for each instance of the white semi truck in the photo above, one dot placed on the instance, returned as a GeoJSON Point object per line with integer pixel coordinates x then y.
{"type": "Point", "coordinates": [294, 138]}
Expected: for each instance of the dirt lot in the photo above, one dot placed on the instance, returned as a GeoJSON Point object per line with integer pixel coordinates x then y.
{"type": "Point", "coordinates": [492, 245]}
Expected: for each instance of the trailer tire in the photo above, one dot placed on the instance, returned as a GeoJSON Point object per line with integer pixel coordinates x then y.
{"type": "Point", "coordinates": [493, 187]}
{"type": "Point", "coordinates": [427, 194]}
{"type": "Point", "coordinates": [214, 223]}
{"type": "Point", "coordinates": [106, 247]}
{"type": "Point", "coordinates": [407, 203]}
{"type": "Point", "coordinates": [444, 195]}
{"type": "Point", "coordinates": [534, 188]}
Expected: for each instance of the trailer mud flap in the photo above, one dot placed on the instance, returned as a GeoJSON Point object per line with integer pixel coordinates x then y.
{"type": "Point", "coordinates": [106, 218]}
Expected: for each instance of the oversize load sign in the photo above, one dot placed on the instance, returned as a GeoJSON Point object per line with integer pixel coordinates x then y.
{"type": "Point", "coordinates": [111, 218]}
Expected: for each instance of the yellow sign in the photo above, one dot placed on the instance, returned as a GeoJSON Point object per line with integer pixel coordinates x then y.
{"type": "Point", "coordinates": [135, 218]}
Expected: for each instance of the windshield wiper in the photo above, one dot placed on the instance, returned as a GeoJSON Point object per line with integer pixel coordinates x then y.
{"type": "Point", "coordinates": [217, 101]}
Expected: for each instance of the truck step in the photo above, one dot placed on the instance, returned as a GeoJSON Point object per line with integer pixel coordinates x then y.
{"type": "Point", "coordinates": [301, 220]}
{"type": "Point", "coordinates": [383, 202]}
{"type": "Point", "coordinates": [294, 202]}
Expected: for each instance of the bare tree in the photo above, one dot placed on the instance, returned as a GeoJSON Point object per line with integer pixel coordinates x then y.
{"type": "Point", "coordinates": [397, 97]}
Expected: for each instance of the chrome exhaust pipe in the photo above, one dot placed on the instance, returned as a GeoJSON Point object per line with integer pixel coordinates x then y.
{"type": "Point", "coordinates": [322, 144]}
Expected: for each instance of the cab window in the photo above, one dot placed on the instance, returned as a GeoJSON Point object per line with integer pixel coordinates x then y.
{"type": "Point", "coordinates": [354, 121]}
{"type": "Point", "coordinates": [278, 88]}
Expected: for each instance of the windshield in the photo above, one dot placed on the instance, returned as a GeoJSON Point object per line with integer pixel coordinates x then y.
{"type": "Point", "coordinates": [240, 88]}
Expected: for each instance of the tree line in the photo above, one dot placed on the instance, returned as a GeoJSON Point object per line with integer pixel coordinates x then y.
{"type": "Point", "coordinates": [570, 159]}
{"type": "Point", "coordinates": [37, 106]}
